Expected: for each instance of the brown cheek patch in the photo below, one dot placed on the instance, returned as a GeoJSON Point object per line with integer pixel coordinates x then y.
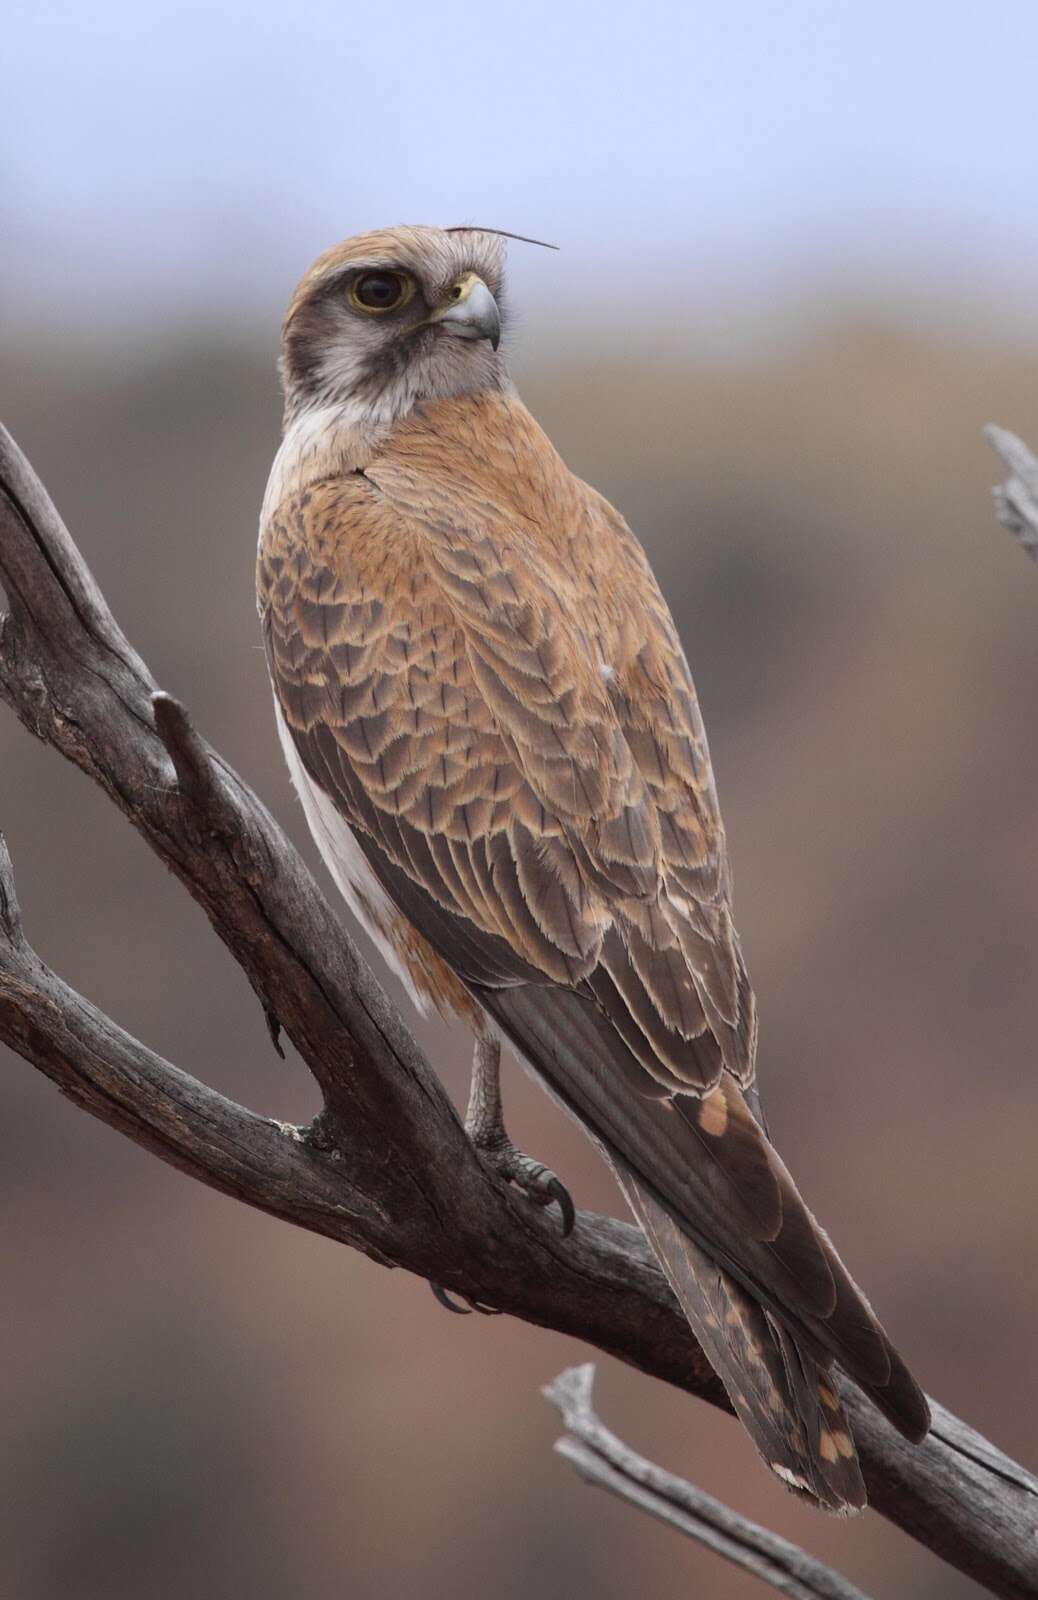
{"type": "Point", "coordinates": [713, 1114]}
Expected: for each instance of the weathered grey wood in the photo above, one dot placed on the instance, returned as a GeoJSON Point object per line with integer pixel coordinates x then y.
{"type": "Point", "coordinates": [604, 1460]}
{"type": "Point", "coordinates": [1016, 500]}
{"type": "Point", "coordinates": [386, 1167]}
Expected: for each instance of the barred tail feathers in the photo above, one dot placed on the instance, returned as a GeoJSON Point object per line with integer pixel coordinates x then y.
{"type": "Point", "coordinates": [785, 1400]}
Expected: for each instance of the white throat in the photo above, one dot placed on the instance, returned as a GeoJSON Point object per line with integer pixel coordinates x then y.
{"type": "Point", "coordinates": [321, 441]}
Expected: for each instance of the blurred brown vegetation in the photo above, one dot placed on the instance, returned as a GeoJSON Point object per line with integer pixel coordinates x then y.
{"type": "Point", "coordinates": [199, 1401]}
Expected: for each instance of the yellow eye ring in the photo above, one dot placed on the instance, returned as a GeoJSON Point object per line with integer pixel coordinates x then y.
{"type": "Point", "coordinates": [379, 291]}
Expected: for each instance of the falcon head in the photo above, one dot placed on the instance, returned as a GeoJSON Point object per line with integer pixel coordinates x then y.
{"type": "Point", "coordinates": [391, 318]}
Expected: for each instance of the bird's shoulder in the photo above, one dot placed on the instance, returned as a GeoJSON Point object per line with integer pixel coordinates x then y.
{"type": "Point", "coordinates": [459, 479]}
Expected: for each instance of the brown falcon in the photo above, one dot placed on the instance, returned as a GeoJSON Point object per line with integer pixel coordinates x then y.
{"type": "Point", "coordinates": [490, 721]}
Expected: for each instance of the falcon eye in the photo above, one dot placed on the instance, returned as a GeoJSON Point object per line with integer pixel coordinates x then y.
{"type": "Point", "coordinates": [380, 291]}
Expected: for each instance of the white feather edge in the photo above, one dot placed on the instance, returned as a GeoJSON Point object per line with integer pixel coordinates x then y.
{"type": "Point", "coordinates": [345, 859]}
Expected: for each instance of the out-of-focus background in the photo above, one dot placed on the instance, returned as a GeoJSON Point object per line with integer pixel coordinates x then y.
{"type": "Point", "coordinates": [799, 250]}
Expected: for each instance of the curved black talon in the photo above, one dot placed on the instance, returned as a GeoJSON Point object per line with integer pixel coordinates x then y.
{"type": "Point", "coordinates": [561, 1195]}
{"type": "Point", "coordinates": [538, 1183]}
{"type": "Point", "coordinates": [442, 1298]}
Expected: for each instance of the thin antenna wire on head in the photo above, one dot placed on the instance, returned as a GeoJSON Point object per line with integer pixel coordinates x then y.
{"type": "Point", "coordinates": [502, 233]}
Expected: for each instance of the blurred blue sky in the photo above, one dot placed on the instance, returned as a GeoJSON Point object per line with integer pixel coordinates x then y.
{"type": "Point", "coordinates": [159, 159]}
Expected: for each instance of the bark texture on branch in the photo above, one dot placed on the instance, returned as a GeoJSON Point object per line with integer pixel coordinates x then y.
{"type": "Point", "coordinates": [386, 1167]}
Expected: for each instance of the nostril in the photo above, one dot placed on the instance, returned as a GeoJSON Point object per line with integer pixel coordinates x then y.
{"type": "Point", "coordinates": [456, 292]}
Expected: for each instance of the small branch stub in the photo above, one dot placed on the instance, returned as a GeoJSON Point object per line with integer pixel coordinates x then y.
{"type": "Point", "coordinates": [190, 758]}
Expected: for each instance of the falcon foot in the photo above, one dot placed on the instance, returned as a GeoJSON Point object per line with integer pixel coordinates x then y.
{"type": "Point", "coordinates": [537, 1181]}
{"type": "Point", "coordinates": [484, 1124]}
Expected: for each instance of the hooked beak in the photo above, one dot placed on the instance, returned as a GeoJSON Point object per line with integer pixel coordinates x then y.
{"type": "Point", "coordinates": [471, 312]}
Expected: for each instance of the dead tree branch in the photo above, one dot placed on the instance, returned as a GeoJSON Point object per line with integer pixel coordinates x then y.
{"type": "Point", "coordinates": [385, 1167]}
{"type": "Point", "coordinates": [604, 1460]}
{"type": "Point", "coordinates": [1016, 500]}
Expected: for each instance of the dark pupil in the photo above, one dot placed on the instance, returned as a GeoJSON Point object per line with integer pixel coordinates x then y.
{"type": "Point", "coordinates": [380, 290]}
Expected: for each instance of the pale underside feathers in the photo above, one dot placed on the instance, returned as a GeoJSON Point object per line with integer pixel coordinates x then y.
{"type": "Point", "coordinates": [482, 686]}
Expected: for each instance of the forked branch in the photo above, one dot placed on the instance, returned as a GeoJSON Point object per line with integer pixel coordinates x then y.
{"type": "Point", "coordinates": [604, 1460]}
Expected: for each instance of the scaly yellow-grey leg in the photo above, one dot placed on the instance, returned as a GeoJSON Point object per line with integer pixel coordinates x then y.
{"type": "Point", "coordinates": [485, 1126]}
